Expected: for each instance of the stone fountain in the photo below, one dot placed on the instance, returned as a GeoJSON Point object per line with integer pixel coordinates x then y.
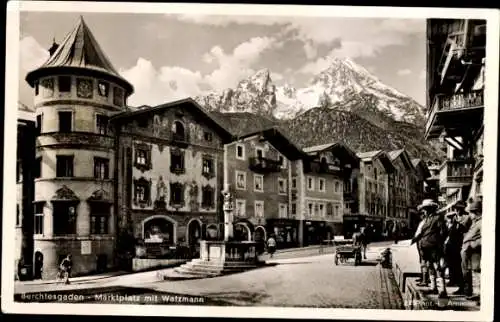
{"type": "Point", "coordinates": [222, 256]}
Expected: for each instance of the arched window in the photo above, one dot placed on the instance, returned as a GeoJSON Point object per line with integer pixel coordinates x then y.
{"type": "Point", "coordinates": [178, 129]}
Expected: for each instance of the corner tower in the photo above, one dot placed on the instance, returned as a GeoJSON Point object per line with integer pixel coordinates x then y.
{"type": "Point", "coordinates": [76, 91]}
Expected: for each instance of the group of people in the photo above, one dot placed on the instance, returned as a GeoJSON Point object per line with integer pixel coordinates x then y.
{"type": "Point", "coordinates": [449, 242]}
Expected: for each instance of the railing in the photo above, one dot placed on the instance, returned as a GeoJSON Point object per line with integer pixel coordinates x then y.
{"type": "Point", "coordinates": [460, 100]}
{"type": "Point", "coordinates": [259, 164]}
{"type": "Point", "coordinates": [163, 251]}
{"type": "Point", "coordinates": [456, 171]}
{"type": "Point", "coordinates": [180, 140]}
{"type": "Point", "coordinates": [322, 167]}
{"type": "Point", "coordinates": [454, 102]}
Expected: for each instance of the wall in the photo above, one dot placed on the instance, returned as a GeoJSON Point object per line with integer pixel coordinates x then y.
{"type": "Point", "coordinates": [270, 194]}
{"type": "Point", "coordinates": [153, 131]}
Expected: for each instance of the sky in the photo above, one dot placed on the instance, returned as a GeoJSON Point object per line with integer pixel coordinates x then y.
{"type": "Point", "coordinates": [167, 56]}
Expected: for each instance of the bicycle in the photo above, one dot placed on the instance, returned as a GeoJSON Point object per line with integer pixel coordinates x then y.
{"type": "Point", "coordinates": [62, 276]}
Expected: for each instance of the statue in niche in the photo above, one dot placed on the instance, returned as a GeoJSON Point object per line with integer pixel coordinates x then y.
{"type": "Point", "coordinates": [161, 191]}
{"type": "Point", "coordinates": [193, 196]}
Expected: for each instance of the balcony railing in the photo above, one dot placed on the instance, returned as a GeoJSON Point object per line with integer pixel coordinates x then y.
{"type": "Point", "coordinates": [459, 101]}
{"type": "Point", "coordinates": [321, 167]}
{"type": "Point", "coordinates": [264, 165]}
{"type": "Point", "coordinates": [456, 171]}
{"type": "Point", "coordinates": [180, 140]}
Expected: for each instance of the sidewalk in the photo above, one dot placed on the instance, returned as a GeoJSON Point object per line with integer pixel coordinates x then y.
{"type": "Point", "coordinates": [406, 268]}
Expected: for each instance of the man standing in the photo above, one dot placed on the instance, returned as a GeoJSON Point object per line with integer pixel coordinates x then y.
{"type": "Point", "coordinates": [452, 246]}
{"type": "Point", "coordinates": [471, 249]}
{"type": "Point", "coordinates": [424, 280]}
{"type": "Point", "coordinates": [271, 246]}
{"type": "Point", "coordinates": [359, 239]}
{"type": "Point", "coordinates": [432, 241]}
{"type": "Point", "coordinates": [66, 266]}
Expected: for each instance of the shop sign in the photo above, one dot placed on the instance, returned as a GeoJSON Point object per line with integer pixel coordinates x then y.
{"type": "Point", "coordinates": [86, 247]}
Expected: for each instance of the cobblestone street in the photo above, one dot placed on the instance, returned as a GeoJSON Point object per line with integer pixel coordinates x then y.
{"type": "Point", "coordinates": [312, 281]}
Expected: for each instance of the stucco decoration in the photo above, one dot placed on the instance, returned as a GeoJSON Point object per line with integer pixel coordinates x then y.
{"type": "Point", "coordinates": [193, 196]}
{"type": "Point", "coordinates": [65, 193]}
{"type": "Point", "coordinates": [100, 195]}
{"type": "Point", "coordinates": [161, 193]}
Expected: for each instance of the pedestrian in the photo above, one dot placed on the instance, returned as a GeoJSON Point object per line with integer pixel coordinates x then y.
{"type": "Point", "coordinates": [431, 241]}
{"type": "Point", "coordinates": [359, 239]}
{"type": "Point", "coordinates": [395, 233]}
{"type": "Point", "coordinates": [271, 245]}
{"type": "Point", "coordinates": [65, 268]}
{"type": "Point", "coordinates": [452, 247]}
{"type": "Point", "coordinates": [424, 279]}
{"type": "Point", "coordinates": [471, 249]}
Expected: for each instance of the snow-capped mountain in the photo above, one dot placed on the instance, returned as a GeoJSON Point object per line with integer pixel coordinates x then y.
{"type": "Point", "coordinates": [344, 85]}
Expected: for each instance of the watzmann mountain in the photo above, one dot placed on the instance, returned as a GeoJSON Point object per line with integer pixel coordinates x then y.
{"type": "Point", "coordinates": [343, 103]}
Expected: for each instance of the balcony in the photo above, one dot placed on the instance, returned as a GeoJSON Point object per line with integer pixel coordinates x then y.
{"type": "Point", "coordinates": [322, 167]}
{"type": "Point", "coordinates": [264, 165]}
{"type": "Point", "coordinates": [452, 113]}
{"type": "Point", "coordinates": [180, 140]}
{"type": "Point", "coordinates": [456, 173]}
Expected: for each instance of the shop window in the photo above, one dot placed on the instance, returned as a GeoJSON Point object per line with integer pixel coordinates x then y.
{"type": "Point", "coordinates": [64, 218]}
{"type": "Point", "coordinates": [99, 219]}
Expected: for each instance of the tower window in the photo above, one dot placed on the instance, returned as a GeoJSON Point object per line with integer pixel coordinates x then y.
{"type": "Point", "coordinates": [102, 124]}
{"type": "Point", "coordinates": [64, 84]}
{"type": "Point", "coordinates": [39, 119]}
{"type": "Point", "coordinates": [64, 166]}
{"type": "Point", "coordinates": [64, 218]}
{"type": "Point", "coordinates": [37, 171]}
{"type": "Point", "coordinates": [101, 168]}
{"type": "Point", "coordinates": [103, 88]}
{"type": "Point", "coordinates": [65, 120]}
{"type": "Point", "coordinates": [38, 210]}
{"type": "Point", "coordinates": [118, 96]}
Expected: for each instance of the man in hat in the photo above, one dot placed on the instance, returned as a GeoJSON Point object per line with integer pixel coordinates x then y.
{"type": "Point", "coordinates": [471, 248]}
{"type": "Point", "coordinates": [462, 217]}
{"type": "Point", "coordinates": [424, 280]}
{"type": "Point", "coordinates": [452, 247]}
{"type": "Point", "coordinates": [431, 241]}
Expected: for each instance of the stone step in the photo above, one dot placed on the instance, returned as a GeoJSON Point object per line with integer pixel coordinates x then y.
{"type": "Point", "coordinates": [198, 273]}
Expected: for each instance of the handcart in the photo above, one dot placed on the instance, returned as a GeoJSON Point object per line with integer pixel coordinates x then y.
{"type": "Point", "coordinates": [345, 252]}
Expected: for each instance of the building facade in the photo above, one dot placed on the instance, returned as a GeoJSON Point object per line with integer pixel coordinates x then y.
{"type": "Point", "coordinates": [403, 202]}
{"type": "Point", "coordinates": [455, 103]}
{"type": "Point", "coordinates": [169, 176]}
{"type": "Point", "coordinates": [76, 91]}
{"type": "Point", "coordinates": [373, 185]}
{"type": "Point", "coordinates": [261, 170]}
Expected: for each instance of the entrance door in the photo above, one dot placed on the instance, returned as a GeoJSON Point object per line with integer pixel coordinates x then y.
{"type": "Point", "coordinates": [194, 233]}
{"type": "Point", "coordinates": [38, 267]}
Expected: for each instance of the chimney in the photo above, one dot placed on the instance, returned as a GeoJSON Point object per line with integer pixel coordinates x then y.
{"type": "Point", "coordinates": [54, 47]}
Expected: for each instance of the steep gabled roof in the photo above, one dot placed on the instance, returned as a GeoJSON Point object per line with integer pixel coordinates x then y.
{"type": "Point", "coordinates": [378, 154]}
{"type": "Point", "coordinates": [190, 105]}
{"type": "Point", "coordinates": [79, 50]}
{"type": "Point", "coordinates": [405, 157]}
{"type": "Point", "coordinates": [368, 155]}
{"type": "Point", "coordinates": [334, 147]}
{"type": "Point", "coordinates": [279, 140]}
